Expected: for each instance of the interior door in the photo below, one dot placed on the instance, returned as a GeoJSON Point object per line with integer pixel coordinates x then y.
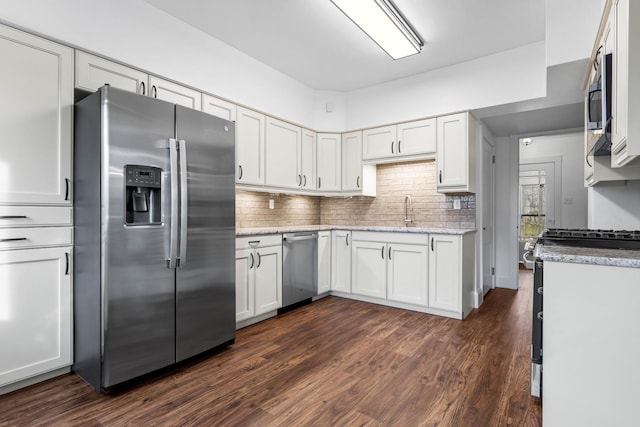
{"type": "Point", "coordinates": [205, 278]}
{"type": "Point", "coordinates": [488, 203]}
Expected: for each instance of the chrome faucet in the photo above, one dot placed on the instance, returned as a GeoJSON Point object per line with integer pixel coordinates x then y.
{"type": "Point", "coordinates": [407, 210]}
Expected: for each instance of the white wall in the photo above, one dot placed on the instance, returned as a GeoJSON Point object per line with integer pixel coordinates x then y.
{"type": "Point", "coordinates": [136, 33]}
{"type": "Point", "coordinates": [505, 77]}
{"type": "Point", "coordinates": [569, 147]}
{"type": "Point", "coordinates": [506, 201]}
{"type": "Point", "coordinates": [615, 206]}
{"type": "Point", "coordinates": [571, 28]}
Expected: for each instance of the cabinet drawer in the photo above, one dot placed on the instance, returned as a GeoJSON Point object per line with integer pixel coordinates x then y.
{"type": "Point", "coordinates": [391, 237]}
{"type": "Point", "coordinates": [26, 216]}
{"type": "Point", "coordinates": [262, 241]}
{"type": "Point", "coordinates": [16, 238]}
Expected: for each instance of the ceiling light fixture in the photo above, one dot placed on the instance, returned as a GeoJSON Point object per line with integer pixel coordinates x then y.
{"type": "Point", "coordinates": [384, 24]}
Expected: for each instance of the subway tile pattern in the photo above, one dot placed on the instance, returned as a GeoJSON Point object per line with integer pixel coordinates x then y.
{"type": "Point", "coordinates": [394, 181]}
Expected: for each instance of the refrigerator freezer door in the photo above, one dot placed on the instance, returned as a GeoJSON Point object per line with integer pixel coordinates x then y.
{"type": "Point", "coordinates": [138, 289]}
{"type": "Point", "coordinates": [205, 285]}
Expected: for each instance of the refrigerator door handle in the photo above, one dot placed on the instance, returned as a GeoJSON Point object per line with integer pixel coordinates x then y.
{"type": "Point", "coordinates": [173, 240]}
{"type": "Point", "coordinates": [184, 199]}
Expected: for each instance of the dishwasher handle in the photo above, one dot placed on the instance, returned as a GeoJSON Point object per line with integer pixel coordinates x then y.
{"type": "Point", "coordinates": [299, 238]}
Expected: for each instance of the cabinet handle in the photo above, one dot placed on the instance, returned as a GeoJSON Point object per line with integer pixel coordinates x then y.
{"type": "Point", "coordinates": [142, 88]}
{"type": "Point", "coordinates": [254, 242]}
{"type": "Point", "coordinates": [305, 180]}
{"type": "Point", "coordinates": [66, 270]}
{"type": "Point", "coordinates": [347, 239]}
{"type": "Point", "coordinates": [259, 260]}
{"type": "Point", "coordinates": [539, 315]}
{"type": "Point", "coordinates": [540, 290]}
{"type": "Point", "coordinates": [382, 253]}
{"type": "Point", "coordinates": [251, 266]}
{"type": "Point", "coordinates": [299, 180]}
{"type": "Point", "coordinates": [358, 182]}
{"type": "Point", "coordinates": [13, 239]}
{"type": "Point", "coordinates": [66, 191]}
{"type": "Point", "coordinates": [240, 171]}
{"type": "Point", "coordinates": [432, 244]}
{"type": "Point", "coordinates": [391, 147]}
{"type": "Point", "coordinates": [440, 176]}
{"type": "Point", "coordinates": [399, 141]}
{"type": "Point", "coordinates": [389, 253]}
{"type": "Point", "coordinates": [154, 91]}
{"type": "Point", "coordinates": [13, 217]}
{"type": "Point", "coordinates": [319, 183]}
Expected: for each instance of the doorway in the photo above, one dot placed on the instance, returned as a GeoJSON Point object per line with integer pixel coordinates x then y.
{"type": "Point", "coordinates": [488, 217]}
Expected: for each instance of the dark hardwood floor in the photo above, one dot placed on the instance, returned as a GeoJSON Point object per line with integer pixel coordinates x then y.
{"type": "Point", "coordinates": [335, 362]}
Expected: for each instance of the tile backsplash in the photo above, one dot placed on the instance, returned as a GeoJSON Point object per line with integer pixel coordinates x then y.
{"type": "Point", "coordinates": [394, 181]}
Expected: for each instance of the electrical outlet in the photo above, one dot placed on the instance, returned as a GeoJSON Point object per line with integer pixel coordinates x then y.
{"type": "Point", "coordinates": [272, 204]}
{"type": "Point", "coordinates": [456, 203]}
{"type": "Point", "coordinates": [568, 201]}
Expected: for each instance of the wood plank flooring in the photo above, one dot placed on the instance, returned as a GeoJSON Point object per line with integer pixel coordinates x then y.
{"type": "Point", "coordinates": [335, 362]}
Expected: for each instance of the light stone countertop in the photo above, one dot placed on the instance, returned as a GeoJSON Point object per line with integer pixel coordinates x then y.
{"type": "Point", "coordinates": [293, 229]}
{"type": "Point", "coordinates": [595, 256]}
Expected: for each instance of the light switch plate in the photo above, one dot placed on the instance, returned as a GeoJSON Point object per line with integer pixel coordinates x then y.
{"type": "Point", "coordinates": [272, 204]}
{"type": "Point", "coordinates": [456, 203]}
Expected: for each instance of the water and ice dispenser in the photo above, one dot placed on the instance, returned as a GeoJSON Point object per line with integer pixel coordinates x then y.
{"type": "Point", "coordinates": [142, 195]}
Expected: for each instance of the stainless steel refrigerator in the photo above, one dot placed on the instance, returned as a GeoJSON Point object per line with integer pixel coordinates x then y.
{"type": "Point", "coordinates": [154, 215]}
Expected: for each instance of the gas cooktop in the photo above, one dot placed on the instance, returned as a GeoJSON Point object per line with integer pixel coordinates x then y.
{"type": "Point", "coordinates": [608, 239]}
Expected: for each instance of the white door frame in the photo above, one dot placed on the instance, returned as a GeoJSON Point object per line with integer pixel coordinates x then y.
{"type": "Point", "coordinates": [488, 201]}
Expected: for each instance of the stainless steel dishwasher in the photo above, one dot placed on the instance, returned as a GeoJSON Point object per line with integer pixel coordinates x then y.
{"type": "Point", "coordinates": [299, 267]}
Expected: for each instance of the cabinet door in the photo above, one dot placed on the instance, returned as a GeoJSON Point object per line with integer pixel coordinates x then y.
{"type": "Point", "coordinates": [35, 312]}
{"type": "Point", "coordinates": [352, 161]}
{"type": "Point", "coordinates": [245, 303]}
{"type": "Point", "coordinates": [92, 72]}
{"type": "Point", "coordinates": [452, 152]}
{"type": "Point", "coordinates": [341, 261]}
{"type": "Point", "coordinates": [369, 269]}
{"type": "Point", "coordinates": [407, 273]}
{"type": "Point", "coordinates": [36, 83]}
{"type": "Point", "coordinates": [620, 86]}
{"type": "Point", "coordinates": [268, 279]}
{"type": "Point", "coordinates": [174, 93]}
{"type": "Point", "coordinates": [218, 107]}
{"type": "Point", "coordinates": [444, 272]}
{"type": "Point", "coordinates": [329, 162]}
{"type": "Point", "coordinates": [379, 143]}
{"type": "Point", "coordinates": [308, 169]}
{"type": "Point", "coordinates": [249, 147]}
{"type": "Point", "coordinates": [324, 261]}
{"type": "Point", "coordinates": [417, 138]}
{"type": "Point", "coordinates": [282, 154]}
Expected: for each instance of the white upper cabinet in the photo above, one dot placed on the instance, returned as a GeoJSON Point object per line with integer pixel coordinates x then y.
{"type": "Point", "coordinates": [308, 160]}
{"type": "Point", "coordinates": [379, 143]}
{"type": "Point", "coordinates": [282, 154]}
{"type": "Point", "coordinates": [625, 129]}
{"type": "Point", "coordinates": [93, 72]}
{"type": "Point", "coordinates": [352, 161]}
{"type": "Point", "coordinates": [174, 93]}
{"type": "Point", "coordinates": [249, 147]}
{"type": "Point", "coordinates": [455, 154]}
{"type": "Point", "coordinates": [36, 82]}
{"type": "Point", "coordinates": [329, 162]}
{"type": "Point", "coordinates": [405, 141]}
{"type": "Point", "coordinates": [416, 138]}
{"type": "Point", "coordinates": [218, 107]}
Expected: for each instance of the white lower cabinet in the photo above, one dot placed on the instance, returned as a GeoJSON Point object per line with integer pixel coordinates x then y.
{"type": "Point", "coordinates": [369, 269]}
{"type": "Point", "coordinates": [324, 262]}
{"type": "Point", "coordinates": [451, 264]}
{"type": "Point", "coordinates": [258, 275]}
{"type": "Point", "coordinates": [390, 266]}
{"type": "Point", "coordinates": [407, 273]}
{"type": "Point", "coordinates": [35, 312]}
{"type": "Point", "coordinates": [341, 261]}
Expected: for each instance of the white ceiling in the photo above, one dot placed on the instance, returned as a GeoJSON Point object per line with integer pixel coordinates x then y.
{"type": "Point", "coordinates": [314, 43]}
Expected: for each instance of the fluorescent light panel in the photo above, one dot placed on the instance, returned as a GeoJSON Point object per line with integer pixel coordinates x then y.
{"type": "Point", "coordinates": [386, 26]}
